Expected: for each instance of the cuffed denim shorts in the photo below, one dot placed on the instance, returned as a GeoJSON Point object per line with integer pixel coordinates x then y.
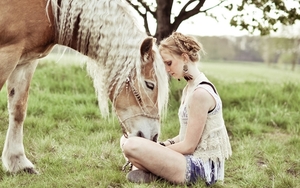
{"type": "Point", "coordinates": [195, 170]}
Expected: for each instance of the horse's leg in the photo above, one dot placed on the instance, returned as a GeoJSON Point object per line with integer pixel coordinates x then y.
{"type": "Point", "coordinates": [13, 155]}
{"type": "Point", "coordinates": [9, 57]}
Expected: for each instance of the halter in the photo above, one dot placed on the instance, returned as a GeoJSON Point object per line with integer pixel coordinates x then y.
{"type": "Point", "coordinates": [138, 98]}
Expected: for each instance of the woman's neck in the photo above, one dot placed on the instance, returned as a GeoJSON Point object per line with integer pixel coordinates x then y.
{"type": "Point", "coordinates": [194, 71]}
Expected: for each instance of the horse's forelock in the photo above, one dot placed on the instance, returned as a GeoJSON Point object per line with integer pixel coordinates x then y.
{"type": "Point", "coordinates": [162, 82]}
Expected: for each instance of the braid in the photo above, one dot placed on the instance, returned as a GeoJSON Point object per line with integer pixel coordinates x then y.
{"type": "Point", "coordinates": [188, 45]}
{"type": "Point", "coordinates": [176, 39]}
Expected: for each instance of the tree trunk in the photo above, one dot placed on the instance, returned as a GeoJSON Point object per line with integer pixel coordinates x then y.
{"type": "Point", "coordinates": [296, 53]}
{"type": "Point", "coordinates": [164, 27]}
{"type": "Point", "coordinates": [294, 62]}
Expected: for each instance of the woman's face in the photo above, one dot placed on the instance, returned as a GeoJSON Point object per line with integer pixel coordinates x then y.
{"type": "Point", "coordinates": [173, 64]}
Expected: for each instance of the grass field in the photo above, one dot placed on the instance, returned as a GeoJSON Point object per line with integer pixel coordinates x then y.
{"type": "Point", "coordinates": [72, 146]}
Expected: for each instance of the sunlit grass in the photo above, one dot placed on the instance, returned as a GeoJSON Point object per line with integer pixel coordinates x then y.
{"type": "Point", "coordinates": [72, 146]}
{"type": "Point", "coordinates": [251, 72]}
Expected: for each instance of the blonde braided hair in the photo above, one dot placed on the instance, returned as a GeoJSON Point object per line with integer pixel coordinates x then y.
{"type": "Point", "coordinates": [178, 44]}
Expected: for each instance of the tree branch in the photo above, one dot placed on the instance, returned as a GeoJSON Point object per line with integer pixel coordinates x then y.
{"type": "Point", "coordinates": [222, 1]}
{"type": "Point", "coordinates": [136, 7]}
{"type": "Point", "coordinates": [146, 7]}
{"type": "Point", "coordinates": [183, 15]}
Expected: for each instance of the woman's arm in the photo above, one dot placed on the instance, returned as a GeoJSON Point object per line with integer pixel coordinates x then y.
{"type": "Point", "coordinates": [168, 141]}
{"type": "Point", "coordinates": [200, 102]}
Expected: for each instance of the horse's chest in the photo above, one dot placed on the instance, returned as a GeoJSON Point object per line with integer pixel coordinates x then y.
{"type": "Point", "coordinates": [35, 54]}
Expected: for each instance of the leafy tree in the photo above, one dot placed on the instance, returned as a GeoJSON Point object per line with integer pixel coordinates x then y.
{"type": "Point", "coordinates": [291, 52]}
{"type": "Point", "coordinates": [252, 15]}
{"type": "Point", "coordinates": [218, 47]}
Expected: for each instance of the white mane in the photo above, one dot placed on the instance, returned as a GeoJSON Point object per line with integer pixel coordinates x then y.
{"type": "Point", "coordinates": [108, 33]}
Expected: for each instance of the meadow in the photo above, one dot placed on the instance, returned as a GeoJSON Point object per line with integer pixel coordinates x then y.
{"type": "Point", "coordinates": [71, 145]}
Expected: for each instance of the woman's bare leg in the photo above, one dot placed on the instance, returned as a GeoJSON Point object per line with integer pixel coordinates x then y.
{"type": "Point", "coordinates": [122, 141]}
{"type": "Point", "coordinates": [159, 160]}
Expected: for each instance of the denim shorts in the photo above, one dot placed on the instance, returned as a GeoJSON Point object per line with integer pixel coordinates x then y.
{"type": "Point", "coordinates": [195, 170]}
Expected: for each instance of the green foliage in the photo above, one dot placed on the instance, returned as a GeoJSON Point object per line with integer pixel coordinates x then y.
{"type": "Point", "coordinates": [285, 58]}
{"type": "Point", "coordinates": [280, 50]}
{"type": "Point", "coordinates": [72, 146]}
{"type": "Point", "coordinates": [267, 14]}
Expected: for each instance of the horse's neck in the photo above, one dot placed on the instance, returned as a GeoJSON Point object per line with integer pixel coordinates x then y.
{"type": "Point", "coordinates": [106, 32]}
{"type": "Point", "coordinates": [98, 29]}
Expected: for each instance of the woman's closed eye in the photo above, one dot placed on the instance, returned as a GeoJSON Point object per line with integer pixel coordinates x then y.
{"type": "Point", "coordinates": [169, 63]}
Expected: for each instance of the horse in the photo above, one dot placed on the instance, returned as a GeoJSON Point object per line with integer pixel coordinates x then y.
{"type": "Point", "coordinates": [124, 63]}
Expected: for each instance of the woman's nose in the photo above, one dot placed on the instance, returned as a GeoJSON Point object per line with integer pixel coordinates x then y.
{"type": "Point", "coordinates": [167, 69]}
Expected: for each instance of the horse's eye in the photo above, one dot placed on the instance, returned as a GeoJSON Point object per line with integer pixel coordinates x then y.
{"type": "Point", "coordinates": [149, 85]}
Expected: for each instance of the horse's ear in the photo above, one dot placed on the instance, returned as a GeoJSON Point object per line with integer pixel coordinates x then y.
{"type": "Point", "coordinates": [146, 48]}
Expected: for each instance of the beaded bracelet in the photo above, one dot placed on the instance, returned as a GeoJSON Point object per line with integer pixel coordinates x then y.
{"type": "Point", "coordinates": [171, 141]}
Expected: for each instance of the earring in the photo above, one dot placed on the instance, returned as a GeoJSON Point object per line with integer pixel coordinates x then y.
{"type": "Point", "coordinates": [186, 74]}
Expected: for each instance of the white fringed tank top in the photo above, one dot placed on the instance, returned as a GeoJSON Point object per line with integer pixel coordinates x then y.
{"type": "Point", "coordinates": [214, 144]}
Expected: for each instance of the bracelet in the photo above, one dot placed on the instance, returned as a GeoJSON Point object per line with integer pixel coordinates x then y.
{"type": "Point", "coordinates": [161, 143]}
{"type": "Point", "coordinates": [171, 141]}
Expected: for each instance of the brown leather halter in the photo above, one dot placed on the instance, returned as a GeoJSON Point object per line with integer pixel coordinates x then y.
{"type": "Point", "coordinates": [138, 98]}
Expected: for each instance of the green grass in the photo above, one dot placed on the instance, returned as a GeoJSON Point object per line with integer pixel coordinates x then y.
{"type": "Point", "coordinates": [72, 146]}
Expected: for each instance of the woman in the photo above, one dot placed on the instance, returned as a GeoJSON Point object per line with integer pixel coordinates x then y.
{"type": "Point", "coordinates": [202, 145]}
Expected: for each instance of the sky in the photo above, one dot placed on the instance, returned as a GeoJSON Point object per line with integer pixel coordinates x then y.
{"type": "Point", "coordinates": [203, 25]}
{"type": "Point", "coordinates": [206, 26]}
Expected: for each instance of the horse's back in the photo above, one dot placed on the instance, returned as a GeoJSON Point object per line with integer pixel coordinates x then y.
{"type": "Point", "coordinates": [25, 26]}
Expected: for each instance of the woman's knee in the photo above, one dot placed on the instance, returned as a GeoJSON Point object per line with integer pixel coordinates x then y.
{"type": "Point", "coordinates": [131, 146]}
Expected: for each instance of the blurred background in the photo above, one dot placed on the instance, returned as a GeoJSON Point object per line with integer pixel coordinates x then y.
{"type": "Point", "coordinates": [237, 30]}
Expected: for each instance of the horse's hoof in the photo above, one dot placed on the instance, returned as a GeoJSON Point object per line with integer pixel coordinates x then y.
{"type": "Point", "coordinates": [30, 171]}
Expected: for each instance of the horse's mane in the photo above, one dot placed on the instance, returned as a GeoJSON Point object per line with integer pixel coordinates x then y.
{"type": "Point", "coordinates": [108, 33]}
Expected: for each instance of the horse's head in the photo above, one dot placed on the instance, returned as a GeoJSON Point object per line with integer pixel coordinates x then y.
{"type": "Point", "coordinates": [143, 95]}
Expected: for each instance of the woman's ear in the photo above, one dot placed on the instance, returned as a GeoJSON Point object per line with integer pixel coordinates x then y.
{"type": "Point", "coordinates": [185, 57]}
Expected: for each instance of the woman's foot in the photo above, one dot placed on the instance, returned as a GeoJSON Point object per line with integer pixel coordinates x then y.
{"type": "Point", "coordinates": [140, 176]}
